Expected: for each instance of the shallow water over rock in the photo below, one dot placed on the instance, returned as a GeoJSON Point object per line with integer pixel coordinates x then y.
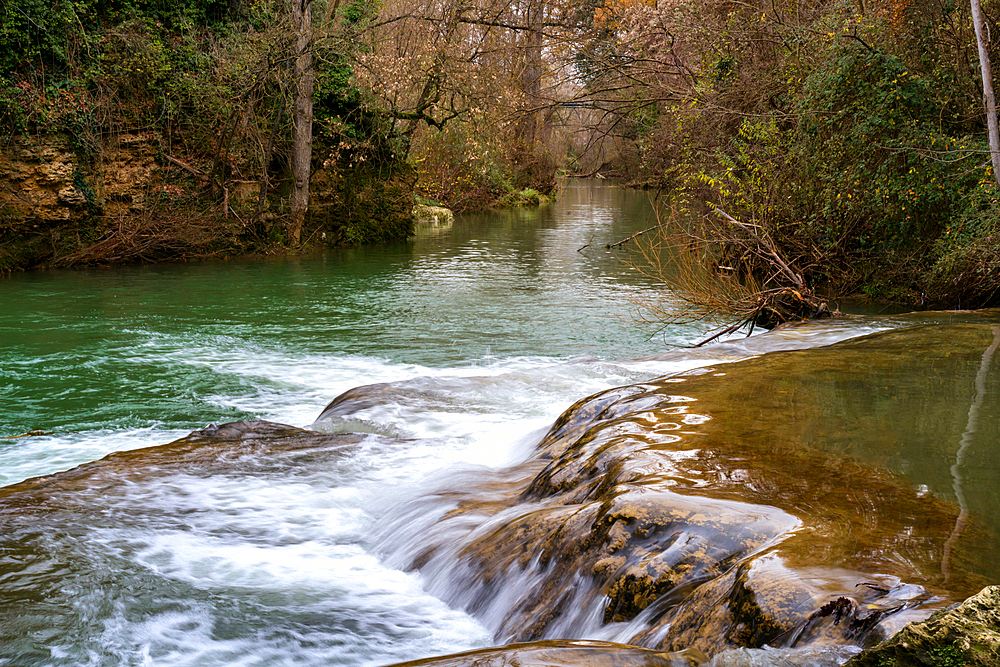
{"type": "Point", "coordinates": [428, 511]}
{"type": "Point", "coordinates": [758, 503]}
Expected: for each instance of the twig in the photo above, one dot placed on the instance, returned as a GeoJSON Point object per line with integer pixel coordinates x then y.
{"type": "Point", "coordinates": [185, 166]}
{"type": "Point", "coordinates": [29, 434]}
{"type": "Point", "coordinates": [596, 172]}
{"type": "Point", "coordinates": [588, 242]}
{"type": "Point", "coordinates": [795, 278]}
{"type": "Point", "coordinates": [728, 330]}
{"type": "Point", "coordinates": [636, 235]}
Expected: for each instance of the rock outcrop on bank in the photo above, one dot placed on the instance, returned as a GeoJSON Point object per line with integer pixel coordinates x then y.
{"type": "Point", "coordinates": [130, 200]}
{"type": "Point", "coordinates": [965, 635]}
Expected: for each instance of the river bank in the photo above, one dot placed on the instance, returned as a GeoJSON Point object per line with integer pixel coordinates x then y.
{"type": "Point", "coordinates": [130, 200]}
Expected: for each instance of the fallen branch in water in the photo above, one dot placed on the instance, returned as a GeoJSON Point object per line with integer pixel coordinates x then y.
{"type": "Point", "coordinates": [725, 332]}
{"type": "Point", "coordinates": [772, 253]}
{"type": "Point", "coordinates": [728, 272]}
{"type": "Point", "coordinates": [29, 434]}
{"type": "Point", "coordinates": [609, 246]}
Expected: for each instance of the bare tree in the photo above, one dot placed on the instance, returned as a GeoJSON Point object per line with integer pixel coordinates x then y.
{"type": "Point", "coordinates": [982, 41]}
{"type": "Point", "coordinates": [303, 77]}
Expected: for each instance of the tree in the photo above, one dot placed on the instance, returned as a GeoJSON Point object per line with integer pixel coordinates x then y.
{"type": "Point", "coordinates": [988, 97]}
{"type": "Point", "coordinates": [303, 78]}
{"type": "Point", "coordinates": [471, 86]}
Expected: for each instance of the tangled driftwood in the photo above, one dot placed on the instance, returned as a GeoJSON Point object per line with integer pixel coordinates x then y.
{"type": "Point", "coordinates": [727, 272]}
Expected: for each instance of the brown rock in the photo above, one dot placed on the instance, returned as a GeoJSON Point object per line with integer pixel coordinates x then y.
{"type": "Point", "coordinates": [964, 635]}
{"type": "Point", "coordinates": [563, 654]}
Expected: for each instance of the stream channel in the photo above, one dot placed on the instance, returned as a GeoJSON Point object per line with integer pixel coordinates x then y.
{"type": "Point", "coordinates": [507, 460]}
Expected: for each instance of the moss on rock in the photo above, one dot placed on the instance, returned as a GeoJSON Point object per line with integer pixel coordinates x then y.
{"type": "Point", "coordinates": [964, 635]}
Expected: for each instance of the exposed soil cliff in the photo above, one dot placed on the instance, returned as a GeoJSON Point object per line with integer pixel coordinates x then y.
{"type": "Point", "coordinates": [129, 200]}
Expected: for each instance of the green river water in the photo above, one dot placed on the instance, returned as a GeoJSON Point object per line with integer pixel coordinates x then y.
{"type": "Point", "coordinates": [467, 343]}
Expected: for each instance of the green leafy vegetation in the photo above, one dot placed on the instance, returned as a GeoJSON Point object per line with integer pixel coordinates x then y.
{"type": "Point", "coordinates": [208, 86]}
{"type": "Point", "coordinates": [850, 135]}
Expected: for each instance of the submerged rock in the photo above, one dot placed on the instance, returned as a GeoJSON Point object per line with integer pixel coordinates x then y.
{"type": "Point", "coordinates": [965, 635]}
{"type": "Point", "coordinates": [816, 656]}
{"type": "Point", "coordinates": [155, 536]}
{"type": "Point", "coordinates": [563, 654]}
{"type": "Point", "coordinates": [708, 514]}
{"type": "Point", "coordinates": [204, 451]}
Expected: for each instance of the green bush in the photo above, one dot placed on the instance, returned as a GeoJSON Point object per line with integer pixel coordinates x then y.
{"type": "Point", "coordinates": [966, 268]}
{"type": "Point", "coordinates": [859, 152]}
{"type": "Point", "coordinates": [869, 144]}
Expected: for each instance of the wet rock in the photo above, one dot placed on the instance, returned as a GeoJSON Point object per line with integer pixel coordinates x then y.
{"type": "Point", "coordinates": [563, 654]}
{"type": "Point", "coordinates": [715, 510]}
{"type": "Point", "coordinates": [434, 215]}
{"type": "Point", "coordinates": [202, 452]}
{"type": "Point", "coordinates": [79, 554]}
{"type": "Point", "coordinates": [755, 603]}
{"type": "Point", "coordinates": [666, 541]}
{"type": "Point", "coordinates": [621, 555]}
{"type": "Point", "coordinates": [818, 656]}
{"type": "Point", "coordinates": [964, 635]}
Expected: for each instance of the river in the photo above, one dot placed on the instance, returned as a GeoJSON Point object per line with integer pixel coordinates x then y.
{"type": "Point", "coordinates": [478, 335]}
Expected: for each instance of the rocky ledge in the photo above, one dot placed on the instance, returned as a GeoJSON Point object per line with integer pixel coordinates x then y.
{"type": "Point", "coordinates": [964, 635]}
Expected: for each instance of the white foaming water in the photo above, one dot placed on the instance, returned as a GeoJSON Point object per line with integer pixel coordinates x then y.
{"type": "Point", "coordinates": [273, 561]}
{"type": "Point", "coordinates": [270, 563]}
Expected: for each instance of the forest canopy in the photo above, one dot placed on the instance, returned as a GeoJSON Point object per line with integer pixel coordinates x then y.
{"type": "Point", "coordinates": [850, 134]}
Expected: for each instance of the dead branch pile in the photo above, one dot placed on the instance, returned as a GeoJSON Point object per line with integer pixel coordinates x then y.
{"type": "Point", "coordinates": [156, 237]}
{"type": "Point", "coordinates": [723, 272]}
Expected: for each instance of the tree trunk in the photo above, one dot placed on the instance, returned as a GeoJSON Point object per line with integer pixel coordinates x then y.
{"type": "Point", "coordinates": [532, 128]}
{"type": "Point", "coordinates": [988, 97]}
{"type": "Point", "coordinates": [302, 117]}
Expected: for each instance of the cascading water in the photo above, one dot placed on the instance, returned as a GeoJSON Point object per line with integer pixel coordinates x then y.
{"type": "Point", "coordinates": [668, 515]}
{"type": "Point", "coordinates": [342, 546]}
